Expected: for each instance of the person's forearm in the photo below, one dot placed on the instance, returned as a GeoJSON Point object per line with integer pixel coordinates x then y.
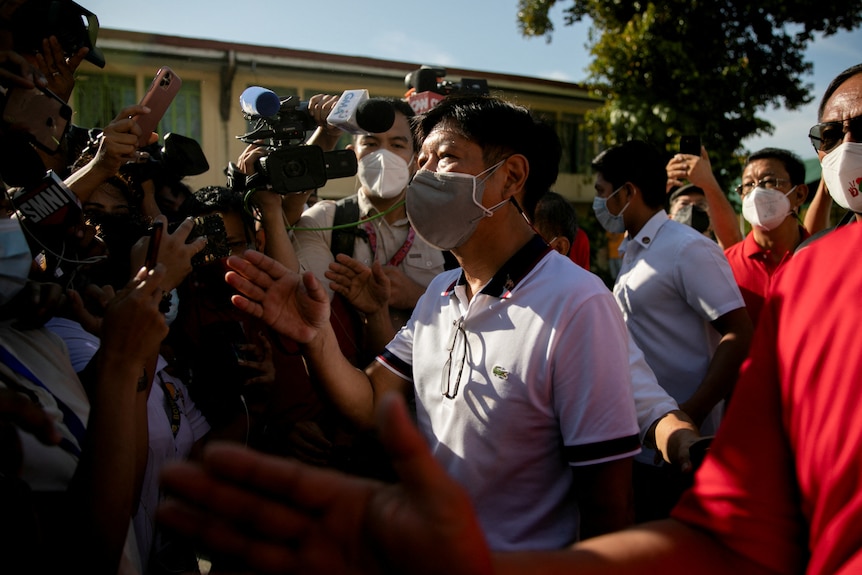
{"type": "Point", "coordinates": [85, 181]}
{"type": "Point", "coordinates": [668, 547]}
{"type": "Point", "coordinates": [102, 490]}
{"type": "Point", "coordinates": [348, 387]}
{"type": "Point", "coordinates": [725, 224]}
{"type": "Point", "coordinates": [720, 377]}
{"type": "Point", "coordinates": [817, 216]}
{"type": "Point", "coordinates": [379, 330]}
{"type": "Point", "coordinates": [278, 245]}
{"type": "Point", "coordinates": [325, 138]}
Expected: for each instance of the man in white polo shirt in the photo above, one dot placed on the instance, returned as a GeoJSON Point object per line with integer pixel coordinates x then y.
{"type": "Point", "coordinates": [518, 360]}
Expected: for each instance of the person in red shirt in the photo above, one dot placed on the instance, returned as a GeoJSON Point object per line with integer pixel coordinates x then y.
{"type": "Point", "coordinates": [772, 190]}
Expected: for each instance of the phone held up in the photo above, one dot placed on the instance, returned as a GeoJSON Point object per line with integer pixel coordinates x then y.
{"type": "Point", "coordinates": [158, 98]}
{"type": "Point", "coordinates": [689, 144]}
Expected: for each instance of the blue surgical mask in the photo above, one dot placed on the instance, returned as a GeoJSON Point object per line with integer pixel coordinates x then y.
{"type": "Point", "coordinates": [612, 223]}
{"type": "Point", "coordinates": [15, 259]}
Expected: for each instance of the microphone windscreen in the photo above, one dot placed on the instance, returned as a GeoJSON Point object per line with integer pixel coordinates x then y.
{"type": "Point", "coordinates": [259, 101]}
{"type": "Point", "coordinates": [375, 116]}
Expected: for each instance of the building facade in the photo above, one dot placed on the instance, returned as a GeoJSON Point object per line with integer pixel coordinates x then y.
{"type": "Point", "coordinates": [215, 73]}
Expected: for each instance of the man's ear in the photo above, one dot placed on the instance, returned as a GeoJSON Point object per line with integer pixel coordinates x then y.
{"type": "Point", "coordinates": [562, 245]}
{"type": "Point", "coordinates": [630, 189]}
{"type": "Point", "coordinates": [800, 194]}
{"type": "Point", "coordinates": [518, 168]}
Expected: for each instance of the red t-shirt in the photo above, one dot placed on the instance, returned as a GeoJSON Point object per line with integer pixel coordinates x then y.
{"type": "Point", "coordinates": [781, 484]}
{"type": "Point", "coordinates": [753, 272]}
{"type": "Point", "coordinates": [580, 250]}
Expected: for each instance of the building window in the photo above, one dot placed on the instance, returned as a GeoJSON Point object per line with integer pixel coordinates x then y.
{"type": "Point", "coordinates": [576, 149]}
{"type": "Point", "coordinates": [98, 99]}
{"type": "Point", "coordinates": [570, 129]}
{"type": "Point", "coordinates": [184, 114]}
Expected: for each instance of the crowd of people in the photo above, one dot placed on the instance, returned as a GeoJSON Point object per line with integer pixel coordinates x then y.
{"type": "Point", "coordinates": [422, 377]}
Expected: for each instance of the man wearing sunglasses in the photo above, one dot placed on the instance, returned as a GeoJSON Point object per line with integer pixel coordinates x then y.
{"type": "Point", "coordinates": [836, 139]}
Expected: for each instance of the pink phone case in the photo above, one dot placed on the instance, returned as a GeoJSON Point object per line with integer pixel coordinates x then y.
{"type": "Point", "coordinates": [161, 93]}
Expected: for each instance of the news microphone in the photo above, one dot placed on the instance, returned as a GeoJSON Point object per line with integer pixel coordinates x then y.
{"type": "Point", "coordinates": [356, 113]}
{"type": "Point", "coordinates": [257, 101]}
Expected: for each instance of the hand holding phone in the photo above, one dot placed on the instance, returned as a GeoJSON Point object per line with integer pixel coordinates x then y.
{"type": "Point", "coordinates": [159, 96]}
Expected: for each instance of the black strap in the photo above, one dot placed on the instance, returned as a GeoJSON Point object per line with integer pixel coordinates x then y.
{"type": "Point", "coordinates": [346, 212]}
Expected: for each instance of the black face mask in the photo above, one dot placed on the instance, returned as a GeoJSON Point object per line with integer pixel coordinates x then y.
{"type": "Point", "coordinates": [694, 216]}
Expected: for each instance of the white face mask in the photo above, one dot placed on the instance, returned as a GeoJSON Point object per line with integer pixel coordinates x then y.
{"type": "Point", "coordinates": [766, 208]}
{"type": "Point", "coordinates": [383, 173]}
{"type": "Point", "coordinates": [842, 172]}
{"type": "Point", "coordinates": [15, 259]}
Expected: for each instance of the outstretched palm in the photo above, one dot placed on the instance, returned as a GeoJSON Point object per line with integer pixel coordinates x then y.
{"type": "Point", "coordinates": [293, 305]}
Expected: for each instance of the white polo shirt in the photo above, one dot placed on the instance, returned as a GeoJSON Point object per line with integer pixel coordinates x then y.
{"type": "Point", "coordinates": [673, 282]}
{"type": "Point", "coordinates": [545, 385]}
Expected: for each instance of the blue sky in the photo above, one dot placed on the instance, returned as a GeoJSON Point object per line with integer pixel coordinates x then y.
{"type": "Point", "coordinates": [472, 34]}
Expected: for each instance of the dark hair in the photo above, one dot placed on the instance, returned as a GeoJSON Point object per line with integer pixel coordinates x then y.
{"type": "Point", "coordinates": [501, 129]}
{"type": "Point", "coordinates": [792, 163]}
{"type": "Point", "coordinates": [685, 190]}
{"type": "Point", "coordinates": [401, 106]}
{"type": "Point", "coordinates": [835, 84]}
{"type": "Point", "coordinates": [555, 217]}
{"type": "Point", "coordinates": [224, 200]}
{"type": "Point", "coordinates": [637, 162]}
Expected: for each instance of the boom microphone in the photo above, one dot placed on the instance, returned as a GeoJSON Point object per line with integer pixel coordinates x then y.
{"type": "Point", "coordinates": [356, 113]}
{"type": "Point", "coordinates": [257, 101]}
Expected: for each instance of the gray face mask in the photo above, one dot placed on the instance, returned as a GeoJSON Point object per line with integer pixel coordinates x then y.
{"type": "Point", "coordinates": [446, 207]}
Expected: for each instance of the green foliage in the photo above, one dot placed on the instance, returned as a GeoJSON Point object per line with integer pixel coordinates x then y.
{"type": "Point", "coordinates": [706, 67]}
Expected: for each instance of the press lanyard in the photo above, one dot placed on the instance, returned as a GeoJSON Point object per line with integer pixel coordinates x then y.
{"type": "Point", "coordinates": [172, 408]}
{"type": "Point", "coordinates": [73, 423]}
{"type": "Point", "coordinates": [402, 251]}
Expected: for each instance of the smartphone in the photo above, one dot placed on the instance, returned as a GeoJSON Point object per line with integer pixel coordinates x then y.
{"type": "Point", "coordinates": [156, 231]}
{"type": "Point", "coordinates": [40, 113]}
{"type": "Point", "coordinates": [159, 96]}
{"type": "Point", "coordinates": [689, 144]}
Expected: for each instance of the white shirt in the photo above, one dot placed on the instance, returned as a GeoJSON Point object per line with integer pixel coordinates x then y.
{"type": "Point", "coordinates": [673, 282]}
{"type": "Point", "coordinates": [545, 385]}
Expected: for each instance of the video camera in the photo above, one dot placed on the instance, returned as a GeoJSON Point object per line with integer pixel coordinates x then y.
{"type": "Point", "coordinates": [292, 165]}
{"type": "Point", "coordinates": [426, 87]}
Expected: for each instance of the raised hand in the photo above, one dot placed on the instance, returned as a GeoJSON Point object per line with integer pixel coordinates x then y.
{"type": "Point", "coordinates": [174, 253]}
{"type": "Point", "coordinates": [367, 289]}
{"type": "Point", "coordinates": [133, 326]}
{"type": "Point", "coordinates": [59, 70]}
{"type": "Point", "coordinates": [275, 515]}
{"type": "Point", "coordinates": [295, 306]}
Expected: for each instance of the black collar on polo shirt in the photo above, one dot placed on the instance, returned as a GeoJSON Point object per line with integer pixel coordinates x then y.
{"type": "Point", "coordinates": [513, 271]}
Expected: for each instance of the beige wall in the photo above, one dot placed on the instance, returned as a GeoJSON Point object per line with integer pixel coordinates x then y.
{"type": "Point", "coordinates": [208, 61]}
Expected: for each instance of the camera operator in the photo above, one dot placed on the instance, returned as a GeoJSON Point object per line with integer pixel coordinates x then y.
{"type": "Point", "coordinates": [386, 162]}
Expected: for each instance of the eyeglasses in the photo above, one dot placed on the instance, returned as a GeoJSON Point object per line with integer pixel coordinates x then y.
{"type": "Point", "coordinates": [450, 391]}
{"type": "Point", "coordinates": [768, 183]}
{"type": "Point", "coordinates": [825, 137]}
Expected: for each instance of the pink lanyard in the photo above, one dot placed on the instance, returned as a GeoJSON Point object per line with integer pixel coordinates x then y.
{"type": "Point", "coordinates": [402, 251]}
